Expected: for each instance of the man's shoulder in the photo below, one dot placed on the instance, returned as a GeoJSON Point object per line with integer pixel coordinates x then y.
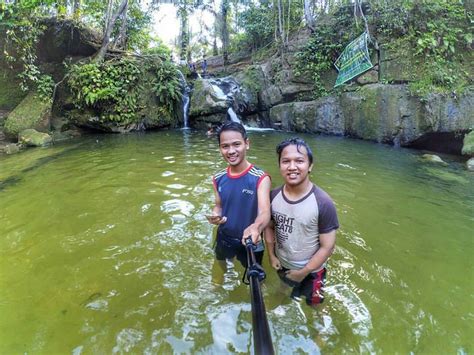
{"type": "Point", "coordinates": [322, 197]}
{"type": "Point", "coordinates": [256, 171]}
{"type": "Point", "coordinates": [274, 192]}
{"type": "Point", "coordinates": [221, 173]}
{"type": "Point", "coordinates": [320, 193]}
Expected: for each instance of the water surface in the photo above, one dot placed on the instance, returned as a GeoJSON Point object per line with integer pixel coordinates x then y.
{"type": "Point", "coordinates": [105, 248]}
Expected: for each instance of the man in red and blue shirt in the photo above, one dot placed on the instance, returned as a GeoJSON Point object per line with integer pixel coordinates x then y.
{"type": "Point", "coordinates": [242, 197]}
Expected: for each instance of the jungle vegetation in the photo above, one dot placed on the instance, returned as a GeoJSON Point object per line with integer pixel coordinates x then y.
{"type": "Point", "coordinates": [436, 33]}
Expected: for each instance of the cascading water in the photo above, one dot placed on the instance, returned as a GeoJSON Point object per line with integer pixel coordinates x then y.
{"type": "Point", "coordinates": [226, 90]}
{"type": "Point", "coordinates": [233, 116]}
{"type": "Point", "coordinates": [186, 90]}
{"type": "Point", "coordinates": [186, 100]}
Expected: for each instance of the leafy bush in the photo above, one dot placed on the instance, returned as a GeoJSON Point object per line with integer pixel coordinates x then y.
{"type": "Point", "coordinates": [257, 25]}
{"type": "Point", "coordinates": [323, 48]}
{"type": "Point", "coordinates": [167, 84]}
{"type": "Point", "coordinates": [116, 89]}
{"type": "Point", "coordinates": [440, 28]}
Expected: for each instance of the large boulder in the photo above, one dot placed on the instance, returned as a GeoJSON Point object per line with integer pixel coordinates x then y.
{"type": "Point", "coordinates": [211, 96]}
{"type": "Point", "coordinates": [390, 114]}
{"type": "Point", "coordinates": [252, 81]}
{"type": "Point", "coordinates": [32, 112]}
{"type": "Point", "coordinates": [382, 113]}
{"type": "Point", "coordinates": [320, 116]}
{"type": "Point", "coordinates": [449, 113]}
{"type": "Point", "coordinates": [66, 39]}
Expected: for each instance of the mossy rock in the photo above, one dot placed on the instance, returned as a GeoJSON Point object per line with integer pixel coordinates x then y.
{"type": "Point", "coordinates": [10, 92]}
{"type": "Point", "coordinates": [397, 63]}
{"type": "Point", "coordinates": [33, 138]}
{"type": "Point", "coordinates": [433, 158]}
{"type": "Point", "coordinates": [32, 112]}
{"type": "Point", "coordinates": [468, 144]}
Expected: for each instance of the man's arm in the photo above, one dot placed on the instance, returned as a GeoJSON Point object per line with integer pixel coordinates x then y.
{"type": "Point", "coordinates": [269, 234]}
{"type": "Point", "coordinates": [217, 217]}
{"type": "Point", "coordinates": [263, 217]}
{"type": "Point", "coordinates": [327, 243]}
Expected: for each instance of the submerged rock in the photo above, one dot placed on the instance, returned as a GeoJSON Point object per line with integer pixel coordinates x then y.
{"type": "Point", "coordinates": [11, 148]}
{"type": "Point", "coordinates": [33, 138]}
{"type": "Point", "coordinates": [470, 164]}
{"type": "Point", "coordinates": [432, 158]}
{"type": "Point", "coordinates": [468, 144]}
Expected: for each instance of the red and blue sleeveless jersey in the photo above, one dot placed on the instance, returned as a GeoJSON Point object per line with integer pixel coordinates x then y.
{"type": "Point", "coordinates": [239, 200]}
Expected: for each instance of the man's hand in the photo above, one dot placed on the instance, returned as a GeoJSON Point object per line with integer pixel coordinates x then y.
{"type": "Point", "coordinates": [252, 231]}
{"type": "Point", "coordinates": [296, 275]}
{"type": "Point", "coordinates": [274, 262]}
{"type": "Point", "coordinates": [215, 219]}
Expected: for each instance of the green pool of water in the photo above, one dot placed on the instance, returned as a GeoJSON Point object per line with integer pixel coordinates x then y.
{"type": "Point", "coordinates": [104, 248]}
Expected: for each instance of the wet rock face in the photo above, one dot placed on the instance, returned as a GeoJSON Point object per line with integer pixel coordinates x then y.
{"type": "Point", "coordinates": [63, 39]}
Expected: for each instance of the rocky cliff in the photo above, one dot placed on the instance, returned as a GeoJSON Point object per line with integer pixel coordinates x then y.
{"type": "Point", "coordinates": [376, 106]}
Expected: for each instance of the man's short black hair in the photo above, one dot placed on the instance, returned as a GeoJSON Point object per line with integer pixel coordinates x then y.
{"type": "Point", "coordinates": [294, 141]}
{"type": "Point", "coordinates": [231, 126]}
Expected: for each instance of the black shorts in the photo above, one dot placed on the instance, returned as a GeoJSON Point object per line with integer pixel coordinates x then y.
{"type": "Point", "coordinates": [228, 248]}
{"type": "Point", "coordinates": [311, 287]}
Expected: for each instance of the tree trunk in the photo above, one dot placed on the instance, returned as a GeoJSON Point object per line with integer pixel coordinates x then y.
{"type": "Point", "coordinates": [184, 35]}
{"type": "Point", "coordinates": [76, 10]}
{"type": "Point", "coordinates": [308, 15]}
{"type": "Point", "coordinates": [288, 24]}
{"type": "Point", "coordinates": [215, 51]}
{"type": "Point", "coordinates": [225, 32]}
{"type": "Point", "coordinates": [121, 40]}
{"type": "Point", "coordinates": [108, 30]}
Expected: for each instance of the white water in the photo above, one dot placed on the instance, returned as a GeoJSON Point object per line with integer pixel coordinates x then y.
{"type": "Point", "coordinates": [186, 107]}
{"type": "Point", "coordinates": [233, 116]}
{"type": "Point", "coordinates": [218, 91]}
{"type": "Point", "coordinates": [186, 99]}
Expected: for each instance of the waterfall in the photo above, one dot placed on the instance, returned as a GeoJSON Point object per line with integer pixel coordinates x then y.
{"type": "Point", "coordinates": [225, 90]}
{"type": "Point", "coordinates": [186, 90]}
{"type": "Point", "coordinates": [186, 100]}
{"type": "Point", "coordinates": [233, 116]}
{"type": "Point", "coordinates": [218, 91]}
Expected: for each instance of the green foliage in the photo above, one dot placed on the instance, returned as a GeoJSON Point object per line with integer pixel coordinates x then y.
{"type": "Point", "coordinates": [159, 50]}
{"type": "Point", "coordinates": [252, 79]}
{"type": "Point", "coordinates": [441, 34]}
{"type": "Point", "coordinates": [110, 87]}
{"type": "Point", "coordinates": [323, 48]}
{"type": "Point", "coordinates": [116, 89]}
{"type": "Point", "coordinates": [21, 24]}
{"type": "Point", "coordinates": [167, 85]}
{"type": "Point", "coordinates": [257, 25]}
{"type": "Point", "coordinates": [45, 87]}
{"type": "Point", "coordinates": [438, 32]}
{"type": "Point", "coordinates": [389, 19]}
{"type": "Point", "coordinates": [439, 28]}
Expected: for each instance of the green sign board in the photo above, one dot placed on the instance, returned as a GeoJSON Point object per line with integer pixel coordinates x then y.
{"type": "Point", "coordinates": [354, 60]}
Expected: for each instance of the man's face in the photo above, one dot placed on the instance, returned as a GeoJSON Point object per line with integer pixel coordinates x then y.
{"type": "Point", "coordinates": [233, 147]}
{"type": "Point", "coordinates": [294, 165]}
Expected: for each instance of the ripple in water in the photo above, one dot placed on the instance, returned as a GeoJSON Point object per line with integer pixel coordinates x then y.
{"type": "Point", "coordinates": [176, 205]}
